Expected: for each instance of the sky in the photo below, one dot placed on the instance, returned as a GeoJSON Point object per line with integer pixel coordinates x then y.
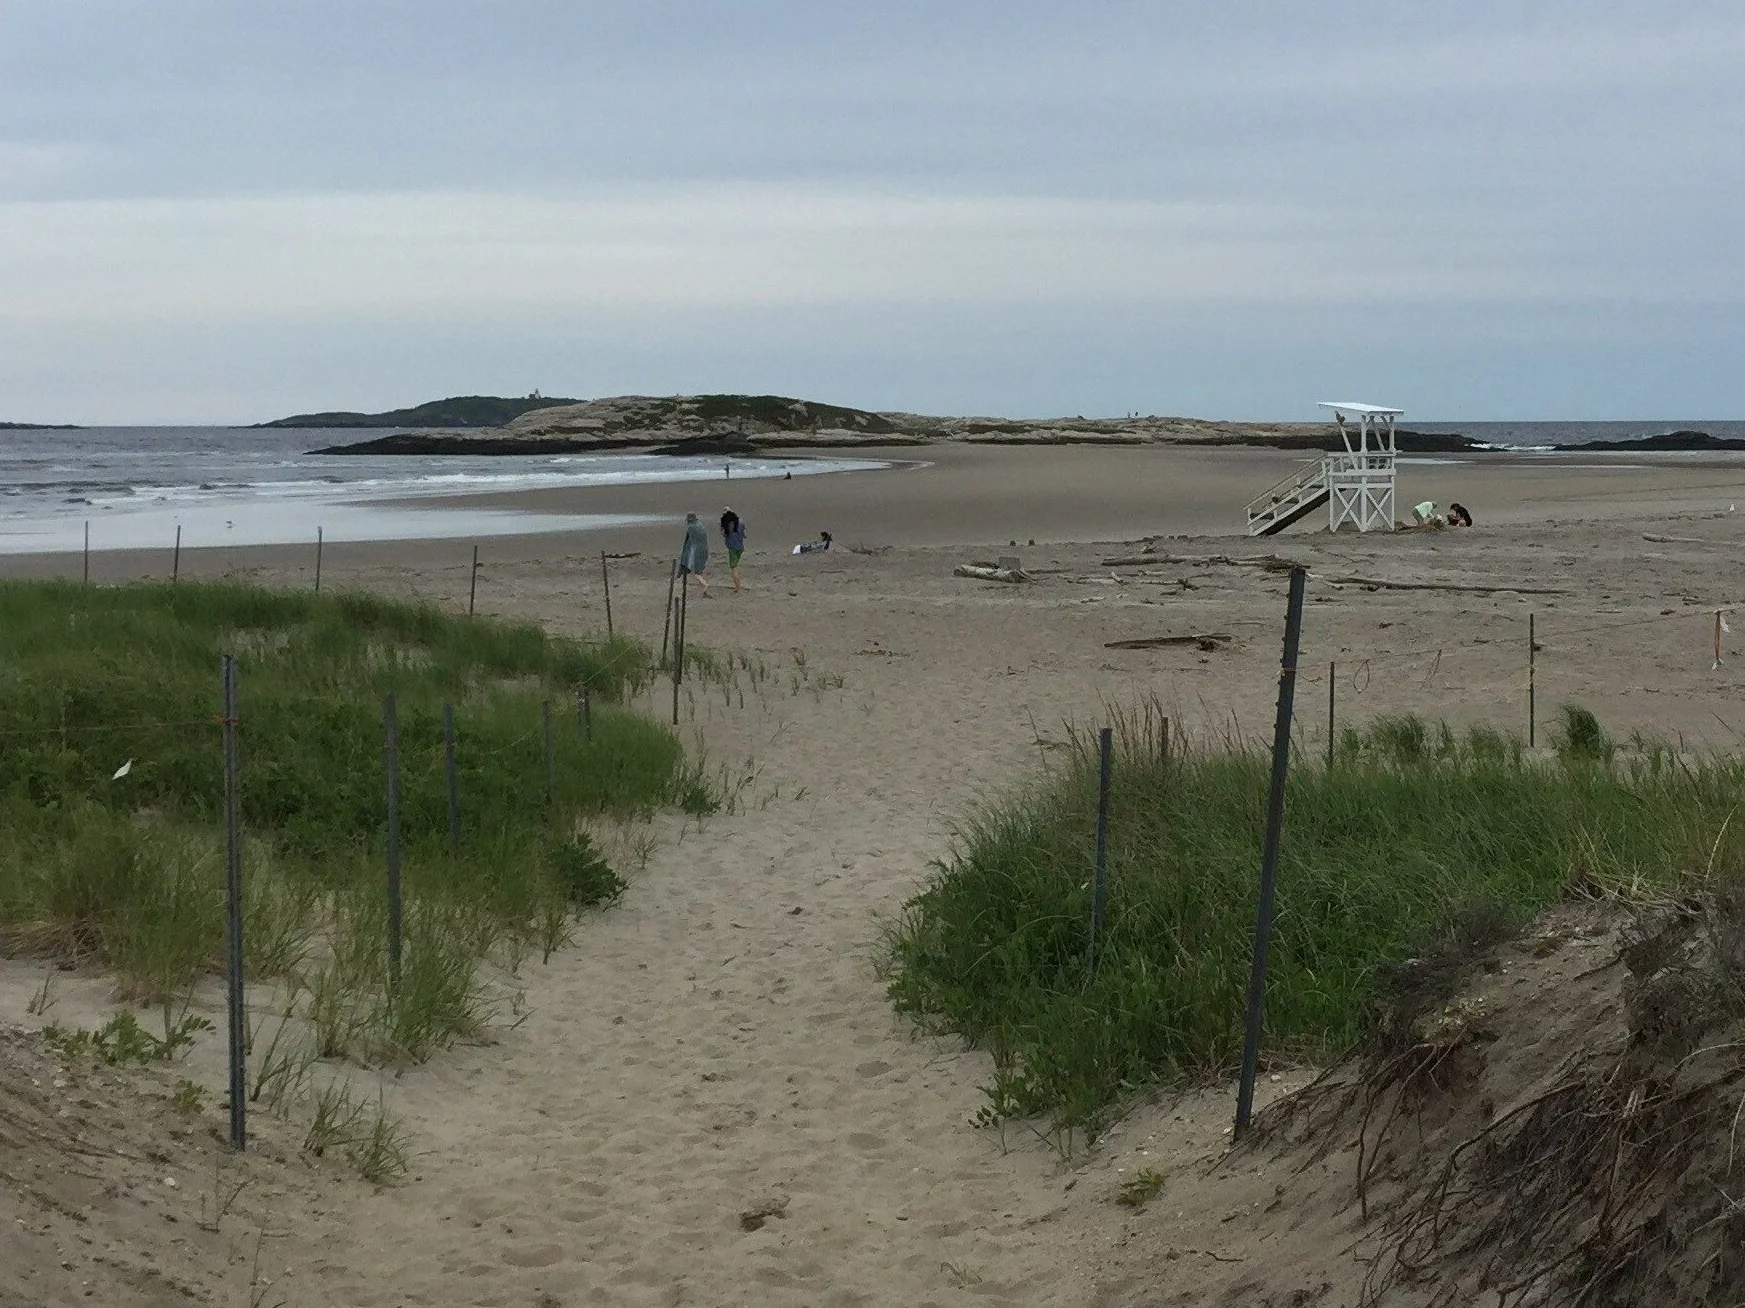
{"type": "Point", "coordinates": [1498, 209]}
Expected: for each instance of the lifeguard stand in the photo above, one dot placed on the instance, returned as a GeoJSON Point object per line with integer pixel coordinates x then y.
{"type": "Point", "coordinates": [1357, 486]}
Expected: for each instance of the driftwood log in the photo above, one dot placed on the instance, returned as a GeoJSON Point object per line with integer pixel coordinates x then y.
{"type": "Point", "coordinates": [1206, 641]}
{"type": "Point", "coordinates": [1270, 562]}
{"type": "Point", "coordinates": [1376, 583]}
{"type": "Point", "coordinates": [980, 573]}
{"type": "Point", "coordinates": [1676, 540]}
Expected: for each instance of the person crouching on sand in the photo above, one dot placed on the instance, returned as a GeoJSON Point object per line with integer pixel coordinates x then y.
{"type": "Point", "coordinates": [733, 533]}
{"type": "Point", "coordinates": [694, 553]}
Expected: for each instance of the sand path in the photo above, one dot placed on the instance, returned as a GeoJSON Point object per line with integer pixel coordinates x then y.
{"type": "Point", "coordinates": [720, 1043]}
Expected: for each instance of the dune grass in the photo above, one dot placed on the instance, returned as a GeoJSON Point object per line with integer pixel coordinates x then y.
{"type": "Point", "coordinates": [129, 871]}
{"type": "Point", "coordinates": [1415, 827]}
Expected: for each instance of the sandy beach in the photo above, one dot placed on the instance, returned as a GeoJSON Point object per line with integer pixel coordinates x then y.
{"type": "Point", "coordinates": [719, 1044]}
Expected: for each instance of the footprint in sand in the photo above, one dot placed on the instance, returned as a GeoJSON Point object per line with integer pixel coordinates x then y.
{"type": "Point", "coordinates": [534, 1255]}
{"type": "Point", "coordinates": [873, 1067]}
{"type": "Point", "coordinates": [866, 1140]}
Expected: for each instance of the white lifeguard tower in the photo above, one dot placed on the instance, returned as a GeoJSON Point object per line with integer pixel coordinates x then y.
{"type": "Point", "coordinates": [1357, 486]}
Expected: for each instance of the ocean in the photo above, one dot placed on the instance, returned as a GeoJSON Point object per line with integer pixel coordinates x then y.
{"type": "Point", "coordinates": [261, 486]}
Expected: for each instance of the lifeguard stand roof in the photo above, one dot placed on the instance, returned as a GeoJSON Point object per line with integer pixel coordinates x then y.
{"type": "Point", "coordinates": [1347, 406]}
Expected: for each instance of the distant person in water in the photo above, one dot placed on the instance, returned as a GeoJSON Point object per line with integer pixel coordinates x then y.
{"type": "Point", "coordinates": [694, 553]}
{"type": "Point", "coordinates": [733, 533]}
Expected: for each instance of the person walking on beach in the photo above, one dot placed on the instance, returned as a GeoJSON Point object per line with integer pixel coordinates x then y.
{"type": "Point", "coordinates": [733, 533]}
{"type": "Point", "coordinates": [694, 553]}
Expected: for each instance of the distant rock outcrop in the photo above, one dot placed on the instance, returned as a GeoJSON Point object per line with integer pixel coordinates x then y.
{"type": "Point", "coordinates": [456, 411]}
{"type": "Point", "coordinates": [1665, 443]}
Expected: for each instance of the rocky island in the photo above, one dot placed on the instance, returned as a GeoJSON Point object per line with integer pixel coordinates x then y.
{"type": "Point", "coordinates": [755, 424]}
{"type": "Point", "coordinates": [456, 411]}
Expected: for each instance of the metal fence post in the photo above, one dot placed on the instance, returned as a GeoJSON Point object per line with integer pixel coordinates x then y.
{"type": "Point", "coordinates": [679, 638]}
{"type": "Point", "coordinates": [1100, 874]}
{"type": "Point", "coordinates": [606, 588]}
{"type": "Point", "coordinates": [1532, 686]}
{"type": "Point", "coordinates": [1332, 709]}
{"type": "Point", "coordinates": [1275, 813]}
{"type": "Point", "coordinates": [176, 559]}
{"type": "Point", "coordinates": [473, 584]}
{"type": "Point", "coordinates": [667, 627]}
{"type": "Point", "coordinates": [550, 757]}
{"type": "Point", "coordinates": [319, 542]}
{"type": "Point", "coordinates": [87, 573]}
{"type": "Point", "coordinates": [233, 911]}
{"type": "Point", "coordinates": [448, 772]}
{"type": "Point", "coordinates": [392, 727]}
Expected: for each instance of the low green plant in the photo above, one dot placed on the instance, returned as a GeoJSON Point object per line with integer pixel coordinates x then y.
{"type": "Point", "coordinates": [581, 873]}
{"type": "Point", "coordinates": [372, 1139]}
{"type": "Point", "coordinates": [123, 1040]}
{"type": "Point", "coordinates": [188, 1098]}
{"type": "Point", "coordinates": [1581, 738]}
{"type": "Point", "coordinates": [1140, 1188]}
{"type": "Point", "coordinates": [284, 1066]}
{"type": "Point", "coordinates": [337, 1121]}
{"type": "Point", "coordinates": [380, 1155]}
{"type": "Point", "coordinates": [128, 867]}
{"type": "Point", "coordinates": [1415, 830]}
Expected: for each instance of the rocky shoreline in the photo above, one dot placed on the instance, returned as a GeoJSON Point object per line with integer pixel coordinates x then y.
{"type": "Point", "coordinates": [745, 425]}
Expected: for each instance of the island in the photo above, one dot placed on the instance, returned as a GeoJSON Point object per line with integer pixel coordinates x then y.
{"type": "Point", "coordinates": [755, 424]}
{"type": "Point", "coordinates": [456, 411]}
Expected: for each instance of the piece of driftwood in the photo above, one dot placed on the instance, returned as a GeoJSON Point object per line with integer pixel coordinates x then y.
{"type": "Point", "coordinates": [1676, 540]}
{"type": "Point", "coordinates": [979, 573]}
{"type": "Point", "coordinates": [1206, 641]}
{"type": "Point", "coordinates": [1376, 583]}
{"type": "Point", "coordinates": [1270, 562]}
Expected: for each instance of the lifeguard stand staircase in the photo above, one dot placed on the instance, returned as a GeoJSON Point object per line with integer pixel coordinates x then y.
{"type": "Point", "coordinates": [1357, 486]}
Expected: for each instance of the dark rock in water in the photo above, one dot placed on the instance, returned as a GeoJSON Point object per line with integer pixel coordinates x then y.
{"type": "Point", "coordinates": [721, 443]}
{"type": "Point", "coordinates": [1666, 442]}
{"type": "Point", "coordinates": [1406, 442]}
{"type": "Point", "coordinates": [435, 442]}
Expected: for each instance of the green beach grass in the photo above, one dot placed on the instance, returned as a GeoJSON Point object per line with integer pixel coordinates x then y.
{"type": "Point", "coordinates": [128, 871]}
{"type": "Point", "coordinates": [1414, 830]}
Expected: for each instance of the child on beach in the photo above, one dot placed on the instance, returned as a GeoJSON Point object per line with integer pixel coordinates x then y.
{"type": "Point", "coordinates": [694, 553]}
{"type": "Point", "coordinates": [733, 533]}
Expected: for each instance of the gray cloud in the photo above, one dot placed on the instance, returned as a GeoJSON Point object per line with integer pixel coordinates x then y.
{"type": "Point", "coordinates": [999, 206]}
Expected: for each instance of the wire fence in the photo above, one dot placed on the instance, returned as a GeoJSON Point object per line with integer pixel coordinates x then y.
{"type": "Point", "coordinates": [226, 732]}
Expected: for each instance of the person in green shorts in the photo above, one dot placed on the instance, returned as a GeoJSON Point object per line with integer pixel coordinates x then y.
{"type": "Point", "coordinates": [733, 532]}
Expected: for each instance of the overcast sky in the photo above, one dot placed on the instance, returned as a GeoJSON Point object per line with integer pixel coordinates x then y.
{"type": "Point", "coordinates": [216, 212]}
